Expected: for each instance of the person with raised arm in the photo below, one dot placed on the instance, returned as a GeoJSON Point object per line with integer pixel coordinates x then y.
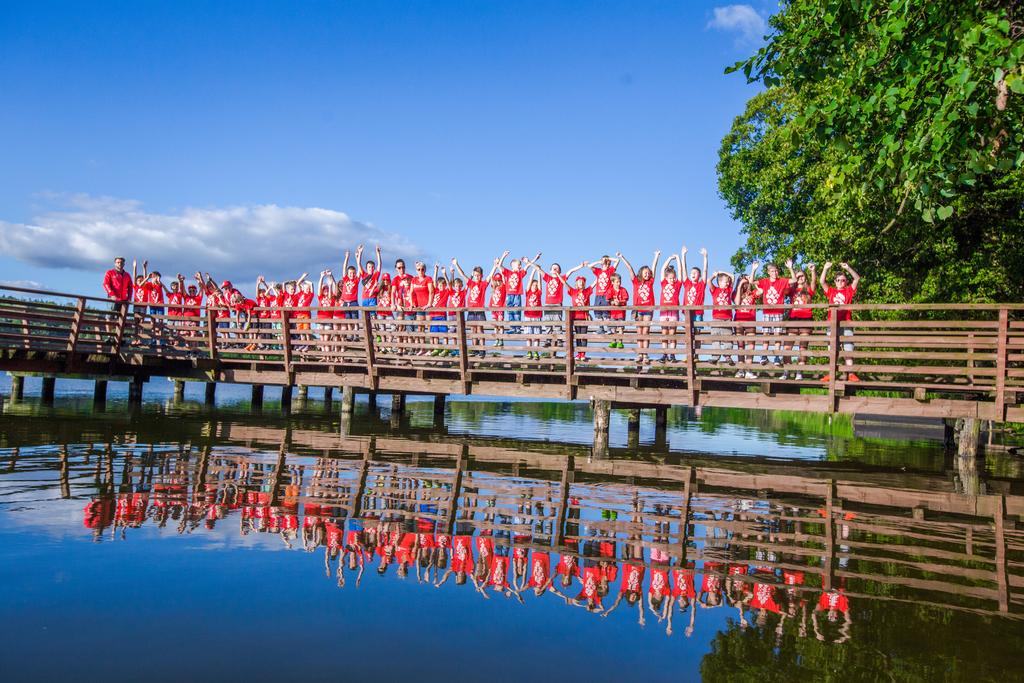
{"type": "Point", "coordinates": [497, 302]}
{"type": "Point", "coordinates": [476, 298]}
{"type": "Point", "coordinates": [580, 297]}
{"type": "Point", "coordinates": [643, 299]}
{"type": "Point", "coordinates": [773, 291]}
{"type": "Point", "coordinates": [721, 312]}
{"type": "Point", "coordinates": [532, 314]}
{"type": "Point", "coordinates": [745, 318]}
{"type": "Point", "coordinates": [303, 301]}
{"type": "Point", "coordinates": [438, 310]}
{"type": "Point", "coordinates": [800, 292]}
{"type": "Point", "coordinates": [694, 288]}
{"type": "Point", "coordinates": [603, 270]}
{"type": "Point", "coordinates": [326, 300]}
{"type": "Point", "coordinates": [514, 276]}
{"type": "Point", "coordinates": [369, 276]}
{"type": "Point", "coordinates": [669, 307]}
{"type": "Point", "coordinates": [618, 298]}
{"type": "Point", "coordinates": [843, 293]}
{"type": "Point", "coordinates": [554, 297]}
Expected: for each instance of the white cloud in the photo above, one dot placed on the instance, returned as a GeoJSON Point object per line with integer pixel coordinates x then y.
{"type": "Point", "coordinates": [24, 284]}
{"type": "Point", "coordinates": [743, 19]}
{"type": "Point", "coordinates": [239, 242]}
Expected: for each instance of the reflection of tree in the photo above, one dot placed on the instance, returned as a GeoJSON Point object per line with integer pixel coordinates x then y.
{"type": "Point", "coordinates": [885, 644]}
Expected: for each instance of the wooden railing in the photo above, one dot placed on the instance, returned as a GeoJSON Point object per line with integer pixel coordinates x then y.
{"type": "Point", "coordinates": [965, 353]}
{"type": "Point", "coordinates": [679, 517]}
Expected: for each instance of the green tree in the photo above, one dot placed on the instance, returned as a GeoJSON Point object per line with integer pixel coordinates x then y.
{"type": "Point", "coordinates": [890, 136]}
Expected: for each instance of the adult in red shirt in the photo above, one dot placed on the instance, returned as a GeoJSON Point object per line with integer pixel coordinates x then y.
{"type": "Point", "coordinates": [843, 293]}
{"type": "Point", "coordinates": [801, 293]}
{"type": "Point", "coordinates": [721, 313]}
{"type": "Point", "coordinates": [773, 291]}
{"type": "Point", "coordinates": [117, 283]}
{"type": "Point", "coordinates": [603, 271]}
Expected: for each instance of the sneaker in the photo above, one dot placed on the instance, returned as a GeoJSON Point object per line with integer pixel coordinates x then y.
{"type": "Point", "coordinates": [785, 375]}
{"type": "Point", "coordinates": [798, 376]}
{"type": "Point", "coordinates": [852, 378]}
{"type": "Point", "coordinates": [777, 364]}
{"type": "Point", "coordinates": [621, 345]}
{"type": "Point", "coordinates": [740, 373]}
{"type": "Point", "coordinates": [613, 345]}
{"type": "Point", "coordinates": [750, 375]}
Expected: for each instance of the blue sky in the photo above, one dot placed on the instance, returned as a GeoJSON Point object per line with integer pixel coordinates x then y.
{"type": "Point", "coordinates": [268, 137]}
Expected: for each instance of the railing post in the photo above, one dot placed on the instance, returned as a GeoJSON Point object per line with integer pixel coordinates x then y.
{"type": "Point", "coordinates": [1002, 579]}
{"type": "Point", "coordinates": [568, 476]}
{"type": "Point", "coordinates": [833, 357]}
{"type": "Point", "coordinates": [830, 536]}
{"type": "Point", "coordinates": [570, 359]}
{"type": "Point", "coordinates": [211, 333]}
{"type": "Point", "coordinates": [690, 357]}
{"type": "Point", "coordinates": [1004, 327]}
{"type": "Point", "coordinates": [286, 339]}
{"type": "Point", "coordinates": [371, 355]}
{"type": "Point", "coordinates": [460, 333]}
{"type": "Point", "coordinates": [76, 325]}
{"type": "Point", "coordinates": [122, 317]}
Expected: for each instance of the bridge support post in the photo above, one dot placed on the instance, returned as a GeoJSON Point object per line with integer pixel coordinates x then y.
{"type": "Point", "coordinates": [211, 393]}
{"type": "Point", "coordinates": [303, 394]}
{"type": "Point", "coordinates": [99, 392]}
{"type": "Point", "coordinates": [135, 391]}
{"type": "Point", "coordinates": [179, 390]}
{"type": "Point", "coordinates": [660, 426]}
{"type": "Point", "coordinates": [348, 400]}
{"type": "Point", "coordinates": [438, 411]}
{"type": "Point", "coordinates": [48, 390]}
{"type": "Point", "coordinates": [602, 416]}
{"type": "Point", "coordinates": [256, 399]}
{"type": "Point", "coordinates": [286, 398]}
{"type": "Point", "coordinates": [328, 398]}
{"type": "Point", "coordinates": [968, 437]}
{"type": "Point", "coordinates": [17, 387]}
{"type": "Point", "coordinates": [397, 404]}
{"type": "Point", "coordinates": [371, 400]}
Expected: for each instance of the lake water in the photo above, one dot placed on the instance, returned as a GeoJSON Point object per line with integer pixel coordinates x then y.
{"type": "Point", "coordinates": [180, 541]}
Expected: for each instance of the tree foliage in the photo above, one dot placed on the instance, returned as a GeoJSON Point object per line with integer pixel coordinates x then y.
{"type": "Point", "coordinates": [891, 135]}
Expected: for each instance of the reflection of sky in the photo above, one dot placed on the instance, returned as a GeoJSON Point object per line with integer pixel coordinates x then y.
{"type": "Point", "coordinates": [220, 605]}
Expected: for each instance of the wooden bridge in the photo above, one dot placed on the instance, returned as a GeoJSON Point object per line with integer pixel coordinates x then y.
{"type": "Point", "coordinates": [924, 546]}
{"type": "Point", "coordinates": [939, 361]}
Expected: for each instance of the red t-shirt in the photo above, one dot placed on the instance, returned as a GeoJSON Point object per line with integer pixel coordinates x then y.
{"type": "Point", "coordinates": [840, 297]}
{"type": "Point", "coordinates": [764, 598]}
{"type": "Point", "coordinates": [349, 292]}
{"type": "Point", "coordinates": [369, 281]}
{"type": "Point", "coordinates": [682, 583]}
{"type": "Point", "coordinates": [141, 293]}
{"type": "Point", "coordinates": [580, 297]}
{"type": "Point", "coordinates": [440, 298]}
{"type": "Point", "coordinates": [604, 280]}
{"type": "Point", "coordinates": [670, 292]}
{"type": "Point", "coordinates": [400, 287]}
{"type": "Point", "coordinates": [303, 300]}
{"type": "Point", "coordinates": [384, 303]}
{"type": "Point", "coordinates": [540, 569]}
{"type": "Point", "coordinates": [553, 293]}
{"type": "Point", "coordinates": [174, 299]}
{"type": "Point", "coordinates": [834, 599]}
{"type": "Point", "coordinates": [567, 565]}
{"type": "Point", "coordinates": [498, 576]}
{"type": "Point", "coordinates": [514, 280]}
{"type": "Point", "coordinates": [632, 578]}
{"type": "Point", "coordinates": [533, 298]}
{"type": "Point", "coordinates": [457, 298]}
{"type": "Point", "coordinates": [419, 289]}
{"type": "Point", "coordinates": [476, 293]}
{"type": "Point", "coordinates": [747, 299]}
{"type": "Point", "coordinates": [721, 296]}
{"type": "Point", "coordinates": [324, 301]}
{"type": "Point", "coordinates": [801, 296]}
{"type": "Point", "coordinates": [659, 582]}
{"type": "Point", "coordinates": [619, 297]}
{"type": "Point", "coordinates": [156, 293]}
{"type": "Point", "coordinates": [643, 292]}
{"type": "Point", "coordinates": [693, 292]}
{"type": "Point", "coordinates": [245, 306]}
{"type": "Point", "coordinates": [462, 554]}
{"type": "Point", "coordinates": [591, 580]}
{"type": "Point", "coordinates": [773, 293]}
{"type": "Point", "coordinates": [192, 304]}
{"type": "Point", "coordinates": [498, 295]}
{"type": "Point", "coordinates": [712, 580]}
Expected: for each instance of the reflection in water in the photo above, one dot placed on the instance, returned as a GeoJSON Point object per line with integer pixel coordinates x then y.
{"type": "Point", "coordinates": [645, 544]}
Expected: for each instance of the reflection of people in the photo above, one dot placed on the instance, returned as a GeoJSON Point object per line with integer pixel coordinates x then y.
{"type": "Point", "coordinates": [834, 604]}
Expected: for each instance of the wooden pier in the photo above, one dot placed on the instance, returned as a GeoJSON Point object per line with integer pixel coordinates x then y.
{"type": "Point", "coordinates": [938, 361]}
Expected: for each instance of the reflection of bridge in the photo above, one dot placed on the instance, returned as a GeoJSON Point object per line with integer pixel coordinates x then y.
{"type": "Point", "coordinates": [797, 537]}
{"type": "Point", "coordinates": [941, 361]}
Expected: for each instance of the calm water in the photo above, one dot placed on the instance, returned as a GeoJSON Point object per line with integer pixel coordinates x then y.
{"type": "Point", "coordinates": [182, 541]}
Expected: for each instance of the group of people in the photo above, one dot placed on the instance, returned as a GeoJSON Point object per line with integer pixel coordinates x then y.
{"type": "Point", "coordinates": [523, 292]}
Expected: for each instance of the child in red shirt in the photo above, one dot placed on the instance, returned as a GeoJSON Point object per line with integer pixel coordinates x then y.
{"type": "Point", "coordinates": [580, 297]}
{"type": "Point", "coordinates": [369, 276]}
{"type": "Point", "coordinates": [669, 307]}
{"type": "Point", "coordinates": [476, 300]}
{"type": "Point", "coordinates": [438, 306]}
{"type": "Point", "coordinates": [533, 313]}
{"type": "Point", "coordinates": [603, 271]}
{"type": "Point", "coordinates": [643, 299]}
{"type": "Point", "coordinates": [618, 297]}
{"type": "Point", "coordinates": [497, 302]}
{"type": "Point", "coordinates": [801, 292]}
{"type": "Point", "coordinates": [721, 313]}
{"type": "Point", "coordinates": [746, 295]}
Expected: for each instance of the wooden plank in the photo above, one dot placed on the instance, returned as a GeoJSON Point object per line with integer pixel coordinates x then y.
{"type": "Point", "coordinates": [568, 475]}
{"type": "Point", "coordinates": [570, 359]}
{"type": "Point", "coordinates": [211, 334]}
{"type": "Point", "coordinates": [1002, 579]}
{"type": "Point", "coordinates": [684, 521]}
{"type": "Point", "coordinates": [690, 357]}
{"type": "Point", "coordinates": [463, 350]}
{"type": "Point", "coordinates": [833, 358]}
{"type": "Point", "coordinates": [453, 502]}
{"type": "Point", "coordinates": [286, 339]}
{"type": "Point", "coordinates": [830, 536]}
